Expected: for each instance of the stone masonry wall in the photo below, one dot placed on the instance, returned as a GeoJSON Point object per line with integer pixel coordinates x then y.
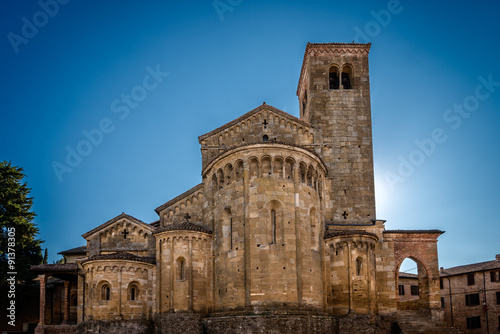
{"type": "Point", "coordinates": [266, 214]}
{"type": "Point", "coordinates": [459, 287]}
{"type": "Point", "coordinates": [120, 276]}
{"type": "Point", "coordinates": [342, 128]}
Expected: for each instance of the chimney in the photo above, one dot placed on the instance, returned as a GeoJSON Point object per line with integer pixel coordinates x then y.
{"type": "Point", "coordinates": [497, 257]}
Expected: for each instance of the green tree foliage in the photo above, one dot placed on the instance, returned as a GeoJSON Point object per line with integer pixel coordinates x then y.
{"type": "Point", "coordinates": [15, 212]}
{"type": "Point", "coordinates": [45, 256]}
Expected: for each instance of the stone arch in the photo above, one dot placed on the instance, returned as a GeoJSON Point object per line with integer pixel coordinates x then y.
{"type": "Point", "coordinates": [254, 167]}
{"type": "Point", "coordinates": [359, 266]}
{"type": "Point", "coordinates": [289, 165]}
{"type": "Point", "coordinates": [238, 172]}
{"type": "Point", "coordinates": [333, 77]}
{"type": "Point", "coordinates": [266, 166]}
{"type": "Point", "coordinates": [278, 167]}
{"type": "Point", "coordinates": [276, 224]}
{"type": "Point", "coordinates": [181, 268]}
{"type": "Point", "coordinates": [104, 290]}
{"type": "Point", "coordinates": [408, 299]}
{"type": "Point", "coordinates": [310, 176]}
{"type": "Point", "coordinates": [421, 247]}
{"type": "Point", "coordinates": [302, 172]}
{"type": "Point", "coordinates": [220, 178]}
{"type": "Point", "coordinates": [228, 171]}
{"type": "Point", "coordinates": [133, 291]}
{"type": "Point", "coordinates": [347, 76]}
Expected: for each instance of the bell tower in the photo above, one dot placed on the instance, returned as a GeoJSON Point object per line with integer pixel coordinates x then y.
{"type": "Point", "coordinates": [334, 97]}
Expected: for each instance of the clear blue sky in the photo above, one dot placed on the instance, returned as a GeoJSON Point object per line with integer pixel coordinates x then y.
{"type": "Point", "coordinates": [71, 70]}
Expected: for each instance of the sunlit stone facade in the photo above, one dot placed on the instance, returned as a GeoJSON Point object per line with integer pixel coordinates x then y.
{"type": "Point", "coordinates": [280, 235]}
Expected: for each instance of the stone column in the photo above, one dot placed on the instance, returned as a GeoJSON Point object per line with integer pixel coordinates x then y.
{"type": "Point", "coordinates": [43, 282]}
{"type": "Point", "coordinates": [40, 328]}
{"type": "Point", "coordinates": [66, 302]}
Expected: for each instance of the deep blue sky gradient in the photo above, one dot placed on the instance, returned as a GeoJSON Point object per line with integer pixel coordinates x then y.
{"type": "Point", "coordinates": [424, 59]}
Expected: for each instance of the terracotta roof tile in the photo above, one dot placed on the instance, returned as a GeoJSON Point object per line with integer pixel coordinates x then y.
{"type": "Point", "coordinates": [407, 275]}
{"type": "Point", "coordinates": [469, 268]}
{"type": "Point", "coordinates": [178, 198]}
{"type": "Point", "coordinates": [337, 233]}
{"type": "Point", "coordinates": [122, 256]}
{"type": "Point", "coordinates": [113, 220]}
{"type": "Point", "coordinates": [58, 267]}
{"type": "Point", "coordinates": [184, 226]}
{"type": "Point", "coordinates": [74, 251]}
{"type": "Point", "coordinates": [414, 231]}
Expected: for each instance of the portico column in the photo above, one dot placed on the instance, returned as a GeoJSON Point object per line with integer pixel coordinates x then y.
{"type": "Point", "coordinates": [66, 302]}
{"type": "Point", "coordinates": [42, 278]}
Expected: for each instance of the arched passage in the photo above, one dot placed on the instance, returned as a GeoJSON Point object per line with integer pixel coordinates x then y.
{"type": "Point", "coordinates": [412, 281]}
{"type": "Point", "coordinates": [421, 247]}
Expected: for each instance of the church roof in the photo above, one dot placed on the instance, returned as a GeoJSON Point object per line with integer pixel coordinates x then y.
{"type": "Point", "coordinates": [58, 267]}
{"type": "Point", "coordinates": [338, 233]}
{"type": "Point", "coordinates": [415, 231]}
{"type": "Point", "coordinates": [178, 198]}
{"type": "Point", "coordinates": [184, 226]}
{"type": "Point", "coordinates": [121, 256]}
{"type": "Point", "coordinates": [74, 251]}
{"type": "Point", "coordinates": [263, 106]}
{"type": "Point", "coordinates": [469, 268]}
{"type": "Point", "coordinates": [114, 220]}
{"type": "Point", "coordinates": [407, 275]}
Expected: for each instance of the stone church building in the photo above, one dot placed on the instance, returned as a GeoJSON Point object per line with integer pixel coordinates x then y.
{"type": "Point", "coordinates": [281, 234]}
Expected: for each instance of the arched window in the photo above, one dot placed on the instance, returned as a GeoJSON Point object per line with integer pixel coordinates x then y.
{"type": "Point", "coordinates": [133, 291]}
{"type": "Point", "coordinates": [181, 268]}
{"type": "Point", "coordinates": [289, 169]}
{"type": "Point", "coordinates": [105, 291]}
{"type": "Point", "coordinates": [347, 77]}
{"type": "Point", "coordinates": [265, 138]}
{"type": "Point", "coordinates": [228, 222]}
{"type": "Point", "coordinates": [359, 266]}
{"type": "Point", "coordinates": [231, 230]}
{"type": "Point", "coordinates": [273, 226]}
{"type": "Point", "coordinates": [333, 77]}
{"type": "Point", "coordinates": [303, 171]}
{"type": "Point", "coordinates": [314, 226]}
{"type": "Point", "coordinates": [304, 103]}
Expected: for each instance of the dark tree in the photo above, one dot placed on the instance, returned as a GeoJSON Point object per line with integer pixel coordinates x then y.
{"type": "Point", "coordinates": [16, 215]}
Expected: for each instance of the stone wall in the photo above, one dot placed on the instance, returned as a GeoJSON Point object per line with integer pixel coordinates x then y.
{"type": "Point", "coordinates": [342, 127]}
{"type": "Point", "coordinates": [262, 121]}
{"type": "Point", "coordinates": [263, 324]}
{"type": "Point", "coordinates": [486, 291]}
{"type": "Point", "coordinates": [120, 276]}
{"type": "Point", "coordinates": [174, 211]}
{"type": "Point", "coordinates": [179, 323]}
{"type": "Point", "coordinates": [141, 326]}
{"type": "Point", "coordinates": [264, 205]}
{"type": "Point", "coordinates": [184, 266]}
{"type": "Point", "coordinates": [421, 247]}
